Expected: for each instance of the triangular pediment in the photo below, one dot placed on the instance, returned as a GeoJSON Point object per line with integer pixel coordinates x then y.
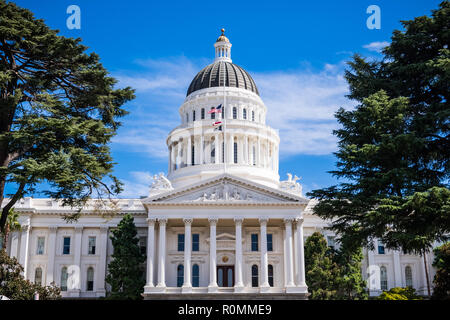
{"type": "Point", "coordinates": [225, 189]}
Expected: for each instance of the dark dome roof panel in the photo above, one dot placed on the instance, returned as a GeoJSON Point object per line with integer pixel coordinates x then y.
{"type": "Point", "coordinates": [214, 74]}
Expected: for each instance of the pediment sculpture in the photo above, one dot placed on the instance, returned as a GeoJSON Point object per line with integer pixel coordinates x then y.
{"type": "Point", "coordinates": [160, 184]}
{"type": "Point", "coordinates": [291, 185]}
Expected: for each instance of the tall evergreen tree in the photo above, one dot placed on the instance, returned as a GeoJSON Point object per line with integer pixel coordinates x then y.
{"type": "Point", "coordinates": [442, 278]}
{"type": "Point", "coordinates": [320, 270]}
{"type": "Point", "coordinates": [350, 283]}
{"type": "Point", "coordinates": [124, 271]}
{"type": "Point", "coordinates": [394, 148]}
{"type": "Point", "coordinates": [59, 110]}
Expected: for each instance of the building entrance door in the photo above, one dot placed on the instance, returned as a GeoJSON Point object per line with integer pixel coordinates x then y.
{"type": "Point", "coordinates": [225, 276]}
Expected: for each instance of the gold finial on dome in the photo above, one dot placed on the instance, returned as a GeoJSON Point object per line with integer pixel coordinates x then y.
{"type": "Point", "coordinates": [222, 37]}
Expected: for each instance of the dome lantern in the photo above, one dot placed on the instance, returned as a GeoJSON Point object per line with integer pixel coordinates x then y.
{"type": "Point", "coordinates": [222, 48]}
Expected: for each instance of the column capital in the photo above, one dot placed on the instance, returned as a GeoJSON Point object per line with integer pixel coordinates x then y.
{"type": "Point", "coordinates": [288, 220]}
{"type": "Point", "coordinates": [238, 220]}
{"type": "Point", "coordinates": [162, 220]}
{"type": "Point", "coordinates": [299, 221]}
{"type": "Point", "coordinates": [151, 221]}
{"type": "Point", "coordinates": [188, 221]}
{"type": "Point", "coordinates": [53, 228]}
{"type": "Point", "coordinates": [78, 228]}
{"type": "Point", "coordinates": [263, 220]}
{"type": "Point", "coordinates": [213, 220]}
{"type": "Point", "coordinates": [104, 229]}
{"type": "Point", "coordinates": [25, 227]}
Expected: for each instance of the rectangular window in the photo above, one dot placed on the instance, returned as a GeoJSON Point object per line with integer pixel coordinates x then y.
{"type": "Point", "coordinates": [234, 113]}
{"type": "Point", "coordinates": [223, 112]}
{"type": "Point", "coordinates": [91, 245]}
{"type": "Point", "coordinates": [193, 155]}
{"type": "Point", "coordinates": [40, 245]}
{"type": "Point", "coordinates": [203, 113]}
{"type": "Point", "coordinates": [254, 242]}
{"type": "Point", "coordinates": [330, 241]}
{"type": "Point", "coordinates": [235, 152]}
{"type": "Point", "coordinates": [380, 247]}
{"type": "Point", "coordinates": [193, 115]}
{"type": "Point", "coordinates": [66, 245]}
{"type": "Point", "coordinates": [244, 114]}
{"type": "Point", "coordinates": [253, 115]}
{"type": "Point", "coordinates": [213, 114]}
{"type": "Point", "coordinates": [181, 242]}
{"type": "Point", "coordinates": [269, 242]}
{"type": "Point", "coordinates": [143, 245]}
{"type": "Point", "coordinates": [195, 242]}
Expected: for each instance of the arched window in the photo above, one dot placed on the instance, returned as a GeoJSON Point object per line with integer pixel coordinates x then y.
{"type": "Point", "coordinates": [90, 279]}
{"type": "Point", "coordinates": [180, 275]}
{"type": "Point", "coordinates": [234, 113]}
{"type": "Point", "coordinates": [235, 152]}
{"type": "Point", "coordinates": [203, 113]}
{"type": "Point", "coordinates": [270, 273]}
{"type": "Point", "coordinates": [64, 277]}
{"type": "Point", "coordinates": [253, 115]}
{"type": "Point", "coordinates": [408, 276]}
{"type": "Point", "coordinates": [195, 275]}
{"type": "Point", "coordinates": [244, 114]}
{"type": "Point", "coordinates": [213, 114]}
{"type": "Point", "coordinates": [38, 276]}
{"type": "Point", "coordinates": [254, 275]}
{"type": "Point", "coordinates": [383, 278]}
{"type": "Point", "coordinates": [193, 115]}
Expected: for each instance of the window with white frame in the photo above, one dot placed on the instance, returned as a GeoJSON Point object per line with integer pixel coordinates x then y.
{"type": "Point", "coordinates": [90, 279]}
{"type": "Point", "coordinates": [66, 245]}
{"type": "Point", "coordinates": [91, 245]}
{"type": "Point", "coordinates": [380, 247]}
{"type": "Point", "coordinates": [408, 276]}
{"type": "Point", "coordinates": [40, 245]}
{"type": "Point", "coordinates": [383, 278]}
{"type": "Point", "coordinates": [38, 276]}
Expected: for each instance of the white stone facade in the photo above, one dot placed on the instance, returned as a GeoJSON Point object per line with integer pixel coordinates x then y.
{"type": "Point", "coordinates": [222, 222]}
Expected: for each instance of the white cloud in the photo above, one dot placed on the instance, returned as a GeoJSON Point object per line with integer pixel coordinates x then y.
{"type": "Point", "coordinates": [376, 46]}
{"type": "Point", "coordinates": [301, 105]}
{"type": "Point", "coordinates": [138, 186]}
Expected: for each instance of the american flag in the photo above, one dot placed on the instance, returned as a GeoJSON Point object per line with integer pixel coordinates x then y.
{"type": "Point", "coordinates": [217, 109]}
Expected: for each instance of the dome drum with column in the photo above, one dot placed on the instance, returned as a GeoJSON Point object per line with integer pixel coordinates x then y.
{"type": "Point", "coordinates": [245, 146]}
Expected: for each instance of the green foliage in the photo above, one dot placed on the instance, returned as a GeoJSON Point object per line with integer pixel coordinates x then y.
{"type": "Point", "coordinates": [442, 278]}
{"type": "Point", "coordinates": [59, 108]}
{"type": "Point", "coordinates": [394, 149]}
{"type": "Point", "coordinates": [399, 293]}
{"type": "Point", "coordinates": [333, 274]}
{"type": "Point", "coordinates": [124, 271]}
{"type": "Point", "coordinates": [15, 287]}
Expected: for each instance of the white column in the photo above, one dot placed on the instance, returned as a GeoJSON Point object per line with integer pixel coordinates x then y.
{"type": "Point", "coordinates": [77, 259]}
{"type": "Point", "coordinates": [162, 253]}
{"type": "Point", "coordinates": [101, 272]}
{"type": "Point", "coordinates": [373, 271]}
{"type": "Point", "coordinates": [258, 152]}
{"type": "Point", "coordinates": [246, 151]}
{"type": "Point", "coordinates": [150, 251]}
{"type": "Point", "coordinates": [264, 284]}
{"type": "Point", "coordinates": [51, 254]}
{"type": "Point", "coordinates": [14, 251]}
{"type": "Point", "coordinates": [187, 285]}
{"type": "Point", "coordinates": [288, 253]}
{"type": "Point", "coordinates": [189, 151]}
{"type": "Point", "coordinates": [239, 285]}
{"type": "Point", "coordinates": [24, 240]}
{"type": "Point", "coordinates": [231, 148]}
{"type": "Point", "coordinates": [201, 150]}
{"type": "Point", "coordinates": [217, 153]}
{"type": "Point", "coordinates": [397, 269]}
{"type": "Point", "coordinates": [212, 287]}
{"type": "Point", "coordinates": [300, 255]}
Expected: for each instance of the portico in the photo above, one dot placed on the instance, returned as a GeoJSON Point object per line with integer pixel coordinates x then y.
{"type": "Point", "coordinates": [228, 245]}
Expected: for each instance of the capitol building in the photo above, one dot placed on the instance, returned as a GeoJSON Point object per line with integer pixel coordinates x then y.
{"type": "Point", "coordinates": [221, 224]}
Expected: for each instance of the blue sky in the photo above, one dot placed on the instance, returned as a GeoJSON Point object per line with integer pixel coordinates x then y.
{"type": "Point", "coordinates": [295, 51]}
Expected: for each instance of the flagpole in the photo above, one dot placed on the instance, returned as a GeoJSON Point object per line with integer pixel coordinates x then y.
{"type": "Point", "coordinates": [224, 126]}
